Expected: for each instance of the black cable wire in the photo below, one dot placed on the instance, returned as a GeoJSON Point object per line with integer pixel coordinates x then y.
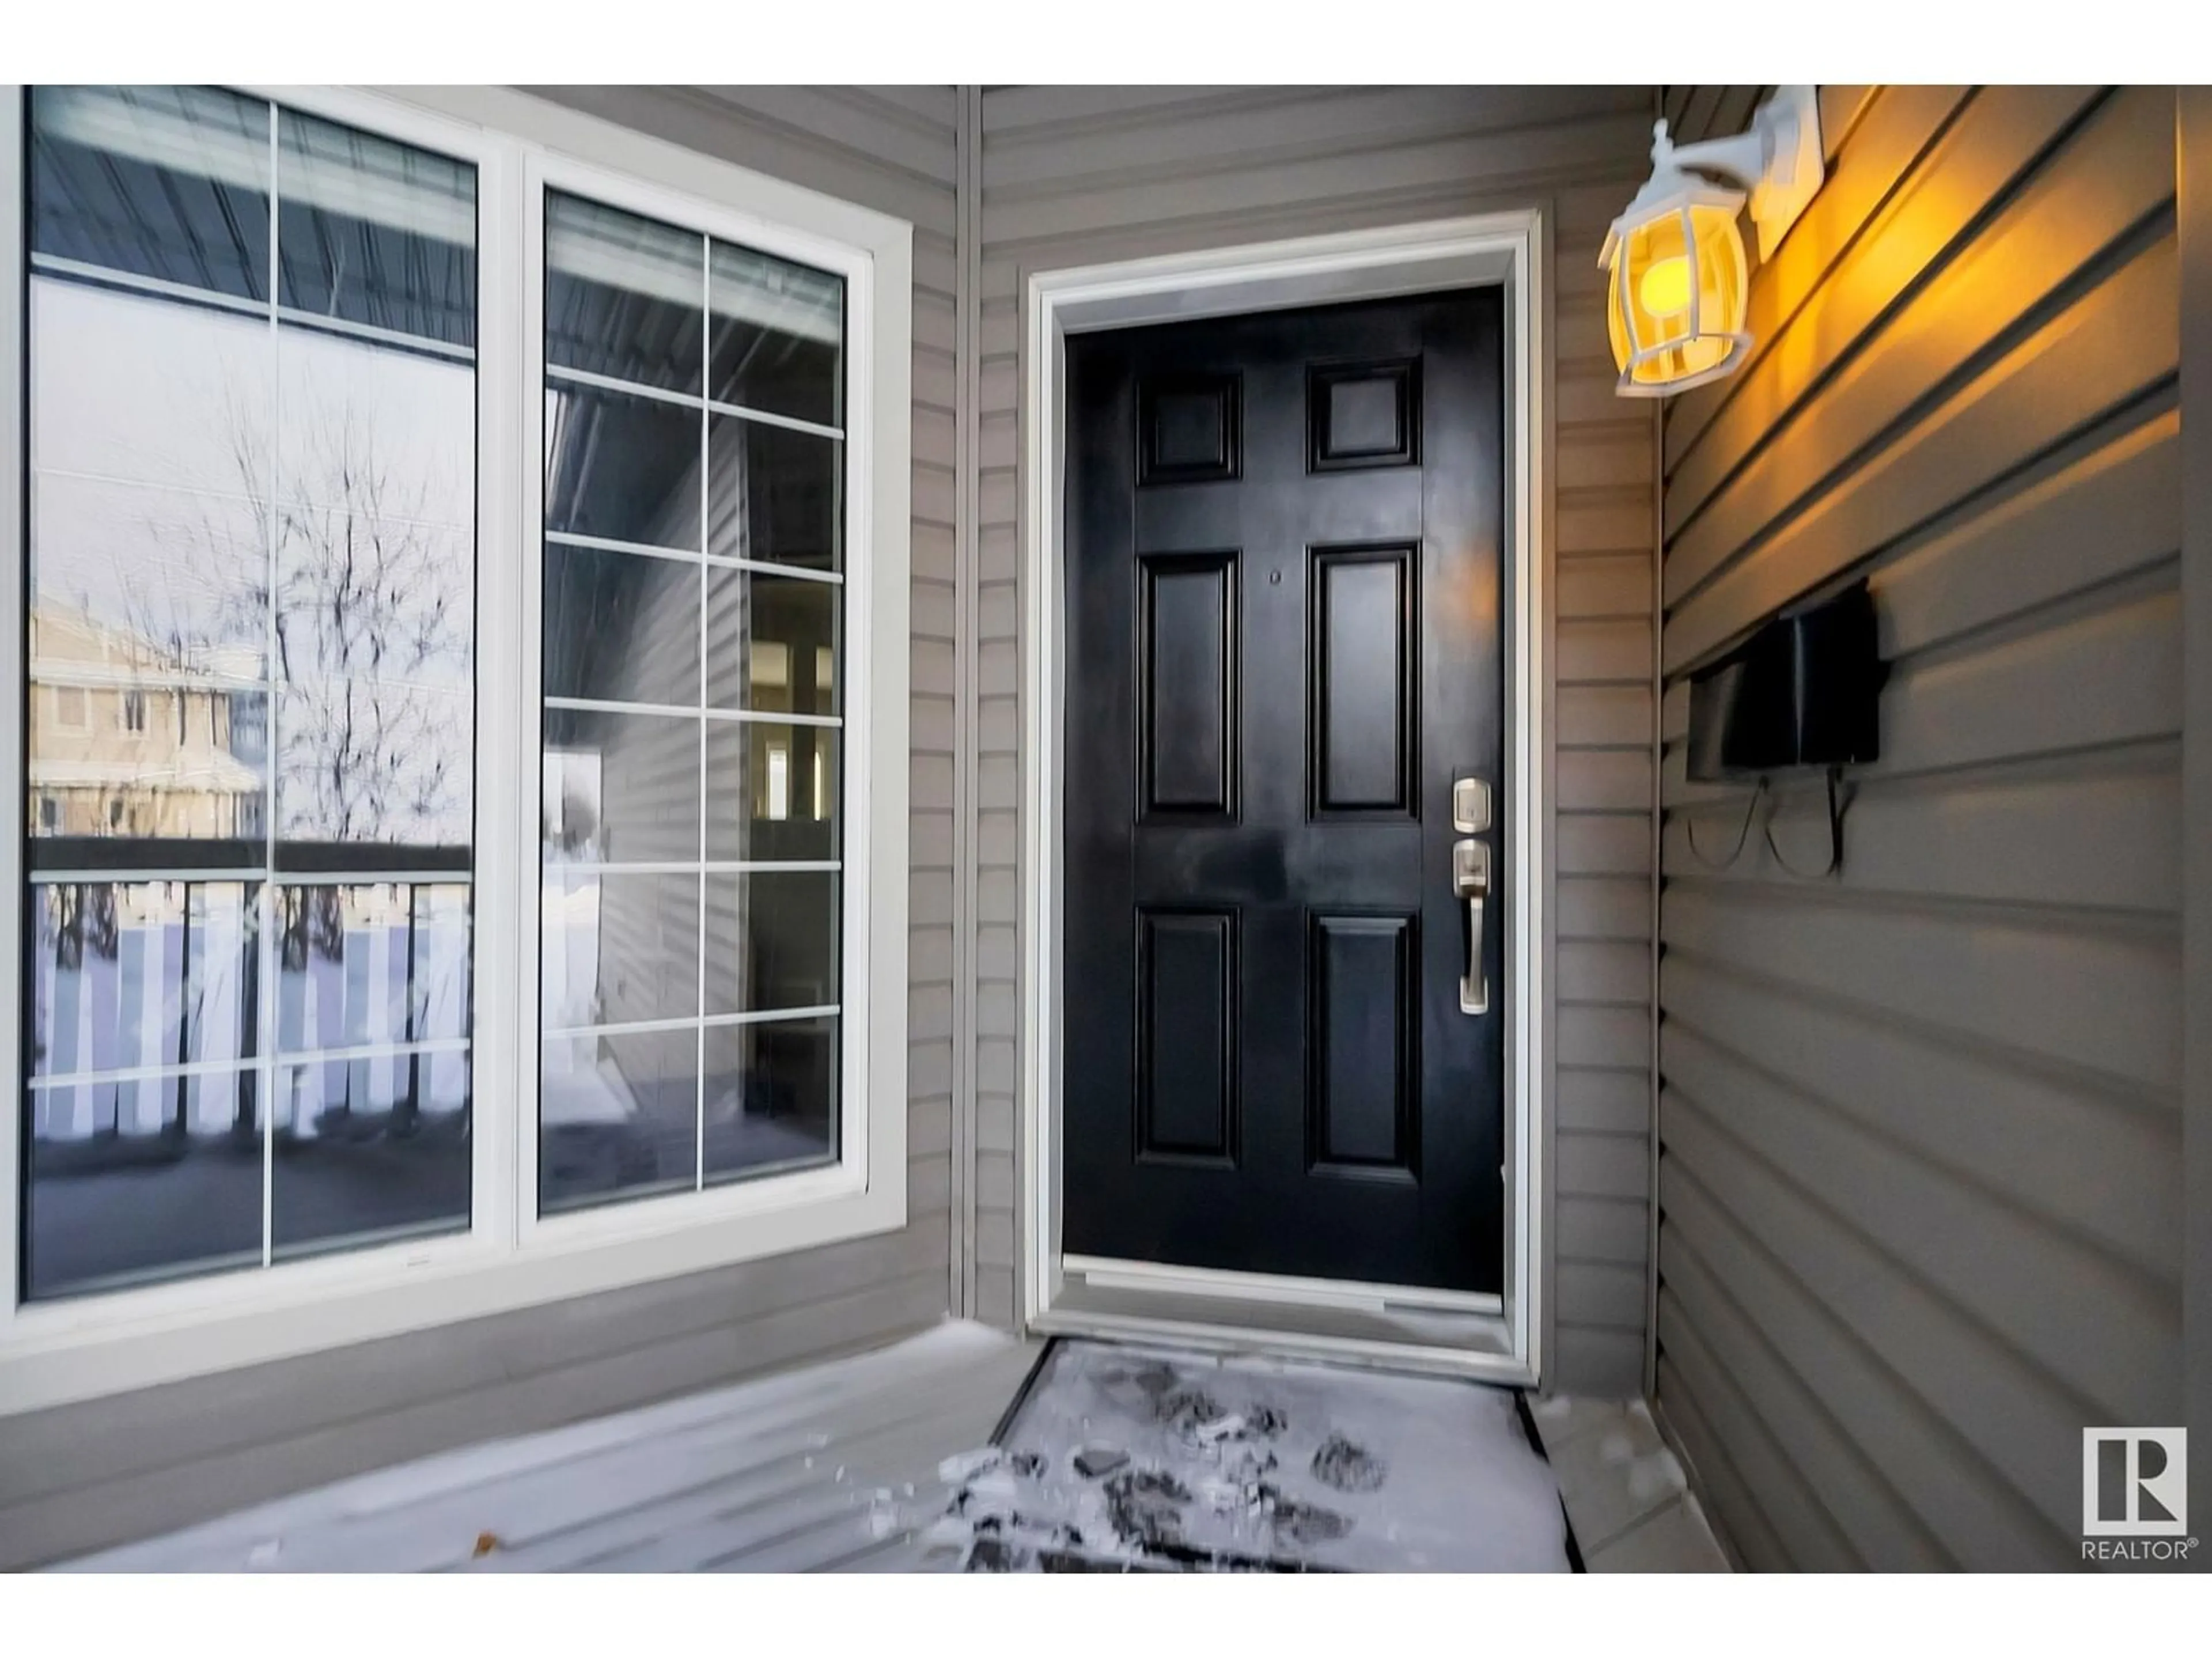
{"type": "Point", "coordinates": [1835, 836]}
{"type": "Point", "coordinates": [1690, 830]}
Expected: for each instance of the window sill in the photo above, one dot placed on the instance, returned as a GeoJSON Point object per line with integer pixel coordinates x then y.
{"type": "Point", "coordinates": [60, 1353]}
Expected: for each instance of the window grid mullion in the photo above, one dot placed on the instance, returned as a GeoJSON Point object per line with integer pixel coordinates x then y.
{"type": "Point", "coordinates": [358, 1051]}
{"type": "Point", "coordinates": [681, 711]}
{"type": "Point", "coordinates": [265, 951]}
{"type": "Point", "coordinates": [592, 377]}
{"type": "Point", "coordinates": [706, 509]}
{"type": "Point", "coordinates": [707, 1021]}
{"type": "Point", "coordinates": [216, 299]}
{"type": "Point", "coordinates": [686, 556]}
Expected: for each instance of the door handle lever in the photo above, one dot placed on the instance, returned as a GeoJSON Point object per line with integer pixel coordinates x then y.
{"type": "Point", "coordinates": [1471, 881]}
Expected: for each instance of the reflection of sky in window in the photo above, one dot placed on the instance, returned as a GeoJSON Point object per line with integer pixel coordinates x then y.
{"type": "Point", "coordinates": [167, 438]}
{"type": "Point", "coordinates": [151, 429]}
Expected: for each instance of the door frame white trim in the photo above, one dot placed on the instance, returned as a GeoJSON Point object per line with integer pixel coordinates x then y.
{"type": "Point", "coordinates": [1509, 249]}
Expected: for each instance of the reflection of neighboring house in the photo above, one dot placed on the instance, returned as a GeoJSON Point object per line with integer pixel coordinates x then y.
{"type": "Point", "coordinates": [128, 740]}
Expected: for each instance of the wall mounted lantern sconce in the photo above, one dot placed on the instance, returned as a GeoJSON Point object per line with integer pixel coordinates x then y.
{"type": "Point", "coordinates": [1677, 281]}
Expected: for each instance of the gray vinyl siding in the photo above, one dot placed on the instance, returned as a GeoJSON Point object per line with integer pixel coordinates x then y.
{"type": "Point", "coordinates": [76, 1477]}
{"type": "Point", "coordinates": [1921, 1187]}
{"type": "Point", "coordinates": [654, 771]}
{"type": "Point", "coordinates": [1076, 174]}
{"type": "Point", "coordinates": [2195, 135]}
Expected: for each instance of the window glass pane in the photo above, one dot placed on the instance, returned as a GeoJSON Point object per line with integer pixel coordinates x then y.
{"type": "Point", "coordinates": [360, 597]}
{"type": "Point", "coordinates": [375, 509]}
{"type": "Point", "coordinates": [252, 584]}
{"type": "Point", "coordinates": [374, 965]}
{"type": "Point", "coordinates": [774, 495]}
{"type": "Point", "coordinates": [771, 641]}
{"type": "Point", "coordinates": [617, 949]}
{"type": "Point", "coordinates": [375, 619]}
{"type": "Point", "coordinates": [145, 1178]}
{"type": "Point", "coordinates": [626, 1112]}
{"type": "Point", "coordinates": [369, 1148]}
{"type": "Point", "coordinates": [149, 575]}
{"type": "Point", "coordinates": [131, 976]}
{"type": "Point", "coordinates": [771, 791]}
{"type": "Point", "coordinates": [619, 788]}
{"type": "Point", "coordinates": [376, 1144]}
{"type": "Point", "coordinates": [779, 336]}
{"type": "Point", "coordinates": [622, 294]}
{"type": "Point", "coordinates": [621, 468]}
{"type": "Point", "coordinates": [373, 776]}
{"type": "Point", "coordinates": [771, 1095]}
{"type": "Point", "coordinates": [621, 627]}
{"type": "Point", "coordinates": [170, 183]}
{"type": "Point", "coordinates": [375, 232]}
{"type": "Point", "coordinates": [618, 1117]}
{"type": "Point", "coordinates": [771, 940]}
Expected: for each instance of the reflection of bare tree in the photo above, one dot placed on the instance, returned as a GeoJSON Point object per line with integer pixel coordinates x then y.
{"type": "Point", "coordinates": [230, 557]}
{"type": "Point", "coordinates": [84, 916]}
{"type": "Point", "coordinates": [372, 599]}
{"type": "Point", "coordinates": [310, 916]}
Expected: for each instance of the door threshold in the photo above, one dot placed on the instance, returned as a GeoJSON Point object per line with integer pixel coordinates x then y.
{"type": "Point", "coordinates": [1110, 1272]}
{"type": "Point", "coordinates": [1472, 1344]}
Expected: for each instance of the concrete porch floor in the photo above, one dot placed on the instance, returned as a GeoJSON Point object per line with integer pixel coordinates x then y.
{"type": "Point", "coordinates": [832, 1467]}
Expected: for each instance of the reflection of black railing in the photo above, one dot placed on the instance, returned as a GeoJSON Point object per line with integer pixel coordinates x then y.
{"type": "Point", "coordinates": [124, 854]}
{"type": "Point", "coordinates": [86, 922]}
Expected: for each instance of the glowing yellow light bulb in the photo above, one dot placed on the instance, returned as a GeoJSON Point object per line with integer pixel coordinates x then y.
{"type": "Point", "coordinates": [1664, 290]}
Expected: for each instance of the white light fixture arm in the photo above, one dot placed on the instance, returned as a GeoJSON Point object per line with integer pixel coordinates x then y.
{"type": "Point", "coordinates": [1778, 160]}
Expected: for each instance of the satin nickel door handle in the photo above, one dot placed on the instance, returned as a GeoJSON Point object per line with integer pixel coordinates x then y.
{"type": "Point", "coordinates": [1471, 881]}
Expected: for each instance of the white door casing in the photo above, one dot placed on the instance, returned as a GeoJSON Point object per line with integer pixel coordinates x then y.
{"type": "Point", "coordinates": [1500, 1340]}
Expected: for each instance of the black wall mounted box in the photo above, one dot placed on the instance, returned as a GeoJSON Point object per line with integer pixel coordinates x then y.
{"type": "Point", "coordinates": [1804, 690]}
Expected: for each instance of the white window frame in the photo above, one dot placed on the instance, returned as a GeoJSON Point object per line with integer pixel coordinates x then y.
{"type": "Point", "coordinates": [510, 1257]}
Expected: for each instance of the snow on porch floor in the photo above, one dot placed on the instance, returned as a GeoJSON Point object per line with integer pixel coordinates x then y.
{"type": "Point", "coordinates": [834, 1468]}
{"type": "Point", "coordinates": [830, 1467]}
{"type": "Point", "coordinates": [1123, 1457]}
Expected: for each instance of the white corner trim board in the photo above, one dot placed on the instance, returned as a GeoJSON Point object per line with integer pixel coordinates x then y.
{"type": "Point", "coordinates": [1510, 250]}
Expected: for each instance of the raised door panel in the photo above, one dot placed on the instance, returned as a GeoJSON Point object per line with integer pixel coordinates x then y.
{"type": "Point", "coordinates": [1361, 670]}
{"type": "Point", "coordinates": [1364, 415]}
{"type": "Point", "coordinates": [1363, 1014]}
{"type": "Point", "coordinates": [1187, 680]}
{"type": "Point", "coordinates": [1187, 984]}
{"type": "Point", "coordinates": [1188, 428]}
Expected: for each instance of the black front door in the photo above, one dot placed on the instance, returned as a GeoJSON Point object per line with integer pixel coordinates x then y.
{"type": "Point", "coordinates": [1284, 536]}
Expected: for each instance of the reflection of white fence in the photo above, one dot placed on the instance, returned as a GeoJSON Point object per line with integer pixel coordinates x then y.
{"type": "Point", "coordinates": [568, 944]}
{"type": "Point", "coordinates": [412, 945]}
{"type": "Point", "coordinates": [581, 1083]}
{"type": "Point", "coordinates": [176, 983]}
{"type": "Point", "coordinates": [577, 1084]}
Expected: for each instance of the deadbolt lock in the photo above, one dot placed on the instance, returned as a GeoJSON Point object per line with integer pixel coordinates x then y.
{"type": "Point", "coordinates": [1470, 806]}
